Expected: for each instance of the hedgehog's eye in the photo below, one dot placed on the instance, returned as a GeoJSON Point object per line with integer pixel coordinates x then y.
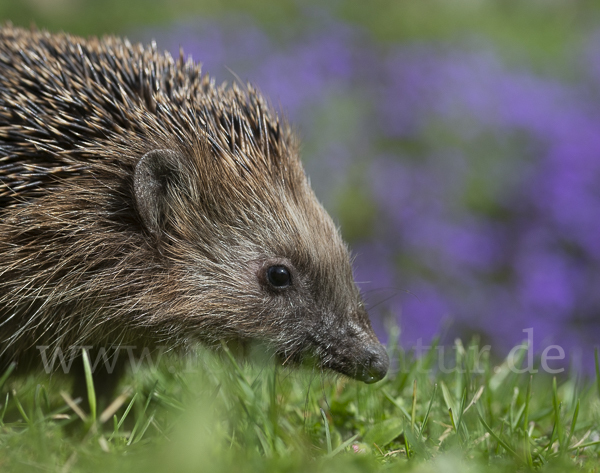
{"type": "Point", "coordinates": [279, 276]}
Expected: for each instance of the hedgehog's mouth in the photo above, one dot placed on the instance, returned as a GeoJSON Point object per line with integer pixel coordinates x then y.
{"type": "Point", "coordinates": [368, 364]}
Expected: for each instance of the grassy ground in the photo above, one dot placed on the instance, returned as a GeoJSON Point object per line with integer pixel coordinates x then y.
{"type": "Point", "coordinates": [211, 413]}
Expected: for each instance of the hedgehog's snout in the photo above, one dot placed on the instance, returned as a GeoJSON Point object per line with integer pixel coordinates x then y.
{"type": "Point", "coordinates": [374, 365]}
{"type": "Point", "coordinates": [352, 349]}
{"type": "Point", "coordinates": [368, 363]}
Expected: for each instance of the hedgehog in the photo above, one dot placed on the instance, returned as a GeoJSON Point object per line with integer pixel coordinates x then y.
{"type": "Point", "coordinates": [143, 205]}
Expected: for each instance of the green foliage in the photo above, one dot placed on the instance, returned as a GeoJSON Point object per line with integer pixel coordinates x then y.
{"type": "Point", "coordinates": [545, 29]}
{"type": "Point", "coordinates": [355, 212]}
{"type": "Point", "coordinates": [211, 412]}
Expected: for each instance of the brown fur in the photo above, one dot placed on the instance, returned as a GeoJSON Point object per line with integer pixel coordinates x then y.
{"type": "Point", "coordinates": [81, 264]}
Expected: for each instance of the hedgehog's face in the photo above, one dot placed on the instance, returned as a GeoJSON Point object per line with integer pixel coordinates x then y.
{"type": "Point", "coordinates": [317, 313]}
{"type": "Point", "coordinates": [304, 278]}
{"type": "Point", "coordinates": [277, 270]}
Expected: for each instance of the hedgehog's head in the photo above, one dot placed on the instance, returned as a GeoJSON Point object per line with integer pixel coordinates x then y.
{"type": "Point", "coordinates": [253, 253]}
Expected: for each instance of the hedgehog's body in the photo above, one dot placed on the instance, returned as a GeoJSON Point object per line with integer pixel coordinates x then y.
{"type": "Point", "coordinates": [140, 205]}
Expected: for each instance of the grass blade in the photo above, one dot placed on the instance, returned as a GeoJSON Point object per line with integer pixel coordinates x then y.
{"type": "Point", "coordinates": [426, 418]}
{"type": "Point", "coordinates": [327, 433]}
{"type": "Point", "coordinates": [597, 364]}
{"type": "Point", "coordinates": [342, 446]}
{"type": "Point", "coordinates": [89, 381]}
{"type": "Point", "coordinates": [414, 406]}
{"type": "Point", "coordinates": [7, 373]}
{"type": "Point", "coordinates": [21, 410]}
{"type": "Point", "coordinates": [573, 424]}
{"type": "Point", "coordinates": [497, 438]}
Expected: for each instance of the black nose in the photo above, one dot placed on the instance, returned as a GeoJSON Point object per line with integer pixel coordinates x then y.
{"type": "Point", "coordinates": [375, 366]}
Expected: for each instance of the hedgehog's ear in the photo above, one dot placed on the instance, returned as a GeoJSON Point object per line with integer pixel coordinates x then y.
{"type": "Point", "coordinates": [155, 172]}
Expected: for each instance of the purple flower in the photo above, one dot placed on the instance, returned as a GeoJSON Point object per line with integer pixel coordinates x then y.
{"type": "Point", "coordinates": [421, 313]}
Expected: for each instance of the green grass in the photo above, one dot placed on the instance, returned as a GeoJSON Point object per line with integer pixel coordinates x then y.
{"type": "Point", "coordinates": [532, 33]}
{"type": "Point", "coordinates": [213, 413]}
